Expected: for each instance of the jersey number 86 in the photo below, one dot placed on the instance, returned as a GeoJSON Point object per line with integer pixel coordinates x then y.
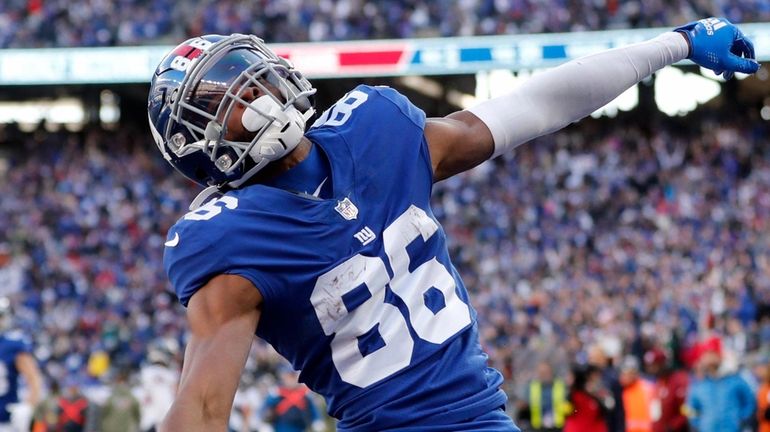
{"type": "Point", "coordinates": [366, 277]}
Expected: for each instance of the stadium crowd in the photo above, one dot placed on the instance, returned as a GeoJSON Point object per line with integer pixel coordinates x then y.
{"type": "Point", "coordinates": [610, 244]}
{"type": "Point", "coordinates": [71, 23]}
{"type": "Point", "coordinates": [606, 249]}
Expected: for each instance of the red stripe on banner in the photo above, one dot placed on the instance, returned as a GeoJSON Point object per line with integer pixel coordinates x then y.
{"type": "Point", "coordinates": [370, 58]}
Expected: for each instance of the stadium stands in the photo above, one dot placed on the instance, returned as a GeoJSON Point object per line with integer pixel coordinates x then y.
{"type": "Point", "coordinates": [613, 234]}
{"type": "Point", "coordinates": [37, 23]}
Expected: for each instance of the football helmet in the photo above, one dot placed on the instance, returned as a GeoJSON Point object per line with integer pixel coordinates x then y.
{"type": "Point", "coordinates": [195, 90]}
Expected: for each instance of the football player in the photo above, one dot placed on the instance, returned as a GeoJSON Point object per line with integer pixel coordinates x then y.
{"type": "Point", "coordinates": [322, 241]}
{"type": "Point", "coordinates": [16, 359]}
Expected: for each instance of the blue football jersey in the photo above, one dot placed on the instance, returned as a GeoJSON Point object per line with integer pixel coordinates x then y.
{"type": "Point", "coordinates": [10, 347]}
{"type": "Point", "coordinates": [359, 292]}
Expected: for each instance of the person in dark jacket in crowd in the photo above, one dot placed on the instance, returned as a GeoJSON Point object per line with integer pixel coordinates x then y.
{"type": "Point", "coordinates": [610, 378]}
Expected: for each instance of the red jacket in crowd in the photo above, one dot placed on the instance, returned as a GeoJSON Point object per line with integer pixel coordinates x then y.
{"type": "Point", "coordinates": [670, 394]}
{"type": "Point", "coordinates": [587, 414]}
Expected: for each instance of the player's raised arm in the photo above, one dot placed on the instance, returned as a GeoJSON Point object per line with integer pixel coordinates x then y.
{"type": "Point", "coordinates": [553, 99]}
{"type": "Point", "coordinates": [223, 317]}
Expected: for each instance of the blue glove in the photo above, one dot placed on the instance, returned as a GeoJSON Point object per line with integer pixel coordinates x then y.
{"type": "Point", "coordinates": [716, 44]}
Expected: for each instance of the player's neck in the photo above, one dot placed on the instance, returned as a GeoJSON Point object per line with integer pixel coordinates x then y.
{"type": "Point", "coordinates": [305, 170]}
{"type": "Point", "coordinates": [275, 169]}
{"type": "Point", "coordinates": [299, 154]}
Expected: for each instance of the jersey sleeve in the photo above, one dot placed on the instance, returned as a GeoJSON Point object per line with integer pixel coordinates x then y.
{"type": "Point", "coordinates": [216, 239]}
{"type": "Point", "coordinates": [380, 124]}
{"type": "Point", "coordinates": [19, 343]}
{"type": "Point", "coordinates": [410, 112]}
{"type": "Point", "coordinates": [385, 133]}
{"type": "Point", "coordinates": [396, 152]}
{"type": "Point", "coordinates": [189, 257]}
{"type": "Point", "coordinates": [412, 125]}
{"type": "Point", "coordinates": [368, 110]}
{"type": "Point", "coordinates": [25, 346]}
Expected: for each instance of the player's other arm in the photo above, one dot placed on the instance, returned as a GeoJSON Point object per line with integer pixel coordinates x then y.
{"type": "Point", "coordinates": [27, 367]}
{"type": "Point", "coordinates": [553, 99]}
{"type": "Point", "coordinates": [223, 317]}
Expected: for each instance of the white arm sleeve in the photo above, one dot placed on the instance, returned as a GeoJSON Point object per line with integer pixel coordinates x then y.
{"type": "Point", "coordinates": [553, 99]}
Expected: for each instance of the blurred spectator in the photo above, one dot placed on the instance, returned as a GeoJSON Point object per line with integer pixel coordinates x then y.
{"type": "Point", "coordinates": [247, 406]}
{"type": "Point", "coordinates": [98, 363]}
{"type": "Point", "coordinates": [718, 403]}
{"type": "Point", "coordinates": [547, 403]}
{"type": "Point", "coordinates": [290, 407]}
{"type": "Point", "coordinates": [612, 390]}
{"type": "Point", "coordinates": [637, 397]}
{"type": "Point", "coordinates": [45, 417]}
{"type": "Point", "coordinates": [670, 392]}
{"type": "Point", "coordinates": [12, 271]}
{"type": "Point", "coordinates": [158, 380]}
{"type": "Point", "coordinates": [74, 410]}
{"type": "Point", "coordinates": [588, 399]}
{"type": "Point", "coordinates": [120, 412]}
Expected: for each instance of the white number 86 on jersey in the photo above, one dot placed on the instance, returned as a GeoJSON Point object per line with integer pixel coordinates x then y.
{"type": "Point", "coordinates": [363, 277]}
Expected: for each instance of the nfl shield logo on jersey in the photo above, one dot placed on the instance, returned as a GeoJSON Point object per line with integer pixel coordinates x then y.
{"type": "Point", "coordinates": [347, 209]}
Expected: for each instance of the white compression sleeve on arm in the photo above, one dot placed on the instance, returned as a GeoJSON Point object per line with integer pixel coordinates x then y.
{"type": "Point", "coordinates": [553, 99]}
